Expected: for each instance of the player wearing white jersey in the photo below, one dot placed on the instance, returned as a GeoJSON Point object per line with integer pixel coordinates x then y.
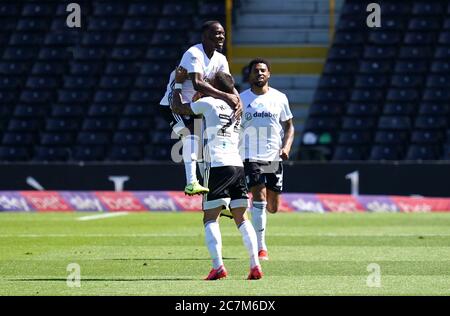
{"type": "Point", "coordinates": [266, 118]}
{"type": "Point", "coordinates": [202, 61]}
{"type": "Point", "coordinates": [226, 181]}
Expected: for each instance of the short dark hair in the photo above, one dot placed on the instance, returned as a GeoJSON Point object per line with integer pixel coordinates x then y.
{"type": "Point", "coordinates": [208, 24]}
{"type": "Point", "coordinates": [258, 61]}
{"type": "Point", "coordinates": [224, 82]}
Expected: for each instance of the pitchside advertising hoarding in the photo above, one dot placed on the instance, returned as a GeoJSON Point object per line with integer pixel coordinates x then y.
{"type": "Point", "coordinates": [174, 201]}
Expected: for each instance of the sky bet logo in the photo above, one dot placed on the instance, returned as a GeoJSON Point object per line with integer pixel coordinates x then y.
{"type": "Point", "coordinates": [263, 114]}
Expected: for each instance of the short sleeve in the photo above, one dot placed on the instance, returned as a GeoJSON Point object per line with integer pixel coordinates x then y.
{"type": "Point", "coordinates": [191, 62]}
{"type": "Point", "coordinates": [286, 113]}
{"type": "Point", "coordinates": [200, 106]}
{"type": "Point", "coordinates": [224, 65]}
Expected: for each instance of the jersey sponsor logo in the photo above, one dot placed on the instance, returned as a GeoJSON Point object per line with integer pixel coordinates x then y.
{"type": "Point", "coordinates": [265, 114]}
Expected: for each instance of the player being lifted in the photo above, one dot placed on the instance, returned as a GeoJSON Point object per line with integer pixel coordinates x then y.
{"type": "Point", "coordinates": [226, 181]}
{"type": "Point", "coordinates": [263, 146]}
{"type": "Point", "coordinates": [202, 61]}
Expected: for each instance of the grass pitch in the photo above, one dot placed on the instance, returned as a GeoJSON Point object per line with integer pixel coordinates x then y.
{"type": "Point", "coordinates": [157, 253]}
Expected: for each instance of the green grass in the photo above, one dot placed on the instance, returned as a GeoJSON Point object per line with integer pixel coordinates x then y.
{"type": "Point", "coordinates": [164, 254]}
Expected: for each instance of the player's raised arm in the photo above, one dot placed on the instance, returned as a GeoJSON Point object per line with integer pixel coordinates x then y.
{"type": "Point", "coordinates": [177, 105]}
{"type": "Point", "coordinates": [287, 140]}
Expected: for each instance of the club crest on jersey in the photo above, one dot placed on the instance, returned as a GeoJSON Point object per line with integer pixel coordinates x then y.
{"type": "Point", "coordinates": [248, 116]}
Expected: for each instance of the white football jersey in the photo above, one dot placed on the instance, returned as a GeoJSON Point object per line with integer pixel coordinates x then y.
{"type": "Point", "coordinates": [262, 133]}
{"type": "Point", "coordinates": [222, 131]}
{"type": "Point", "coordinates": [195, 60]}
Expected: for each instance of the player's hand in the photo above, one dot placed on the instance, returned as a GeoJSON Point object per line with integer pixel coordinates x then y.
{"type": "Point", "coordinates": [180, 75]}
{"type": "Point", "coordinates": [235, 102]}
{"type": "Point", "coordinates": [284, 154]}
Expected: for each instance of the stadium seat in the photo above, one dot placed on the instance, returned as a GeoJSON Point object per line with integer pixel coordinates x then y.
{"type": "Point", "coordinates": [129, 138]}
{"type": "Point", "coordinates": [428, 8]}
{"type": "Point", "coordinates": [325, 109]}
{"type": "Point", "coordinates": [379, 52]}
{"type": "Point", "coordinates": [36, 96]}
{"type": "Point", "coordinates": [115, 82]}
{"type": "Point", "coordinates": [348, 38]}
{"type": "Point", "coordinates": [10, 82]}
{"type": "Point", "coordinates": [343, 53]}
{"type": "Point", "coordinates": [386, 152]}
{"type": "Point", "coordinates": [38, 9]}
{"type": "Point", "coordinates": [88, 153]}
{"type": "Point", "coordinates": [54, 53]}
{"type": "Point", "coordinates": [391, 137]}
{"type": "Point", "coordinates": [419, 38]}
{"type": "Point", "coordinates": [120, 68]}
{"type": "Point", "coordinates": [61, 125]}
{"type": "Point", "coordinates": [371, 81]}
{"type": "Point", "coordinates": [89, 53]}
{"type": "Point", "coordinates": [178, 9]}
{"type": "Point", "coordinates": [93, 138]}
{"type": "Point", "coordinates": [103, 110]}
{"type": "Point", "coordinates": [171, 23]}
{"type": "Point", "coordinates": [334, 81]}
{"type": "Point", "coordinates": [125, 153]}
{"type": "Point", "coordinates": [18, 139]}
{"type": "Point", "coordinates": [12, 153]}
{"type": "Point", "coordinates": [73, 96]}
{"type": "Point", "coordinates": [110, 96]}
{"type": "Point", "coordinates": [85, 68]}
{"type": "Point", "coordinates": [408, 67]}
{"type": "Point", "coordinates": [78, 82]}
{"type": "Point", "coordinates": [97, 38]}
{"type": "Point", "coordinates": [145, 96]}
{"type": "Point", "coordinates": [56, 139]}
{"type": "Point", "coordinates": [138, 110]}
{"type": "Point", "coordinates": [328, 95]}
{"type": "Point", "coordinates": [139, 24]}
{"type": "Point", "coordinates": [13, 68]}
{"type": "Point", "coordinates": [62, 110]}
{"type": "Point", "coordinates": [354, 138]}
{"type": "Point", "coordinates": [363, 109]}
{"type": "Point", "coordinates": [135, 38]}
{"type": "Point", "coordinates": [51, 153]}
{"type": "Point", "coordinates": [436, 95]}
{"type": "Point", "coordinates": [48, 68]}
{"type": "Point", "coordinates": [407, 81]}
{"type": "Point", "coordinates": [402, 95]}
{"type": "Point", "coordinates": [399, 108]}
{"type": "Point", "coordinates": [358, 123]}
{"type": "Point", "coordinates": [415, 52]}
{"type": "Point", "coordinates": [62, 39]}
{"type": "Point", "coordinates": [422, 152]}
{"type": "Point", "coordinates": [144, 8]}
{"type": "Point", "coordinates": [423, 24]}
{"type": "Point", "coordinates": [133, 124]}
{"type": "Point", "coordinates": [375, 67]}
{"type": "Point", "coordinates": [98, 124]}
{"type": "Point", "coordinates": [321, 123]}
{"type": "Point", "coordinates": [104, 23]}
{"type": "Point", "coordinates": [109, 8]}
{"type": "Point", "coordinates": [440, 67]}
{"type": "Point", "coordinates": [31, 111]}
{"type": "Point", "coordinates": [343, 67]}
{"type": "Point", "coordinates": [41, 82]}
{"type": "Point", "coordinates": [384, 37]}
{"type": "Point", "coordinates": [430, 122]}
{"type": "Point", "coordinates": [23, 125]}
{"type": "Point", "coordinates": [150, 82]}
{"type": "Point", "coordinates": [8, 97]}
{"type": "Point", "coordinates": [427, 137]}
{"type": "Point", "coordinates": [349, 153]}
{"type": "Point", "coordinates": [18, 53]}
{"type": "Point", "coordinates": [394, 123]}
{"type": "Point", "coordinates": [442, 52]}
{"type": "Point", "coordinates": [162, 53]}
{"type": "Point", "coordinates": [438, 109]}
{"type": "Point", "coordinates": [9, 9]}
{"type": "Point", "coordinates": [367, 95]}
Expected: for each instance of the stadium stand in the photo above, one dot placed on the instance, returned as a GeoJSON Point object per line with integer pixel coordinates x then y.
{"type": "Point", "coordinates": [91, 93]}
{"type": "Point", "coordinates": [383, 94]}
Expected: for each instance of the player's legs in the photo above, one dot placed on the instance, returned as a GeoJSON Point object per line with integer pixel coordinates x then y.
{"type": "Point", "coordinates": [213, 240]}
{"type": "Point", "coordinates": [249, 238]}
{"type": "Point", "coordinates": [190, 152]}
{"type": "Point", "coordinates": [259, 217]}
{"type": "Point", "coordinates": [256, 181]}
{"type": "Point", "coordinates": [273, 201]}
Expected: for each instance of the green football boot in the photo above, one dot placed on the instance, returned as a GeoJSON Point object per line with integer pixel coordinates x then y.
{"type": "Point", "coordinates": [195, 188]}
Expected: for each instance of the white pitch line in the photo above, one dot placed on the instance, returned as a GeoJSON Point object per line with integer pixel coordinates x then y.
{"type": "Point", "coordinates": [224, 234]}
{"type": "Point", "coordinates": [107, 215]}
